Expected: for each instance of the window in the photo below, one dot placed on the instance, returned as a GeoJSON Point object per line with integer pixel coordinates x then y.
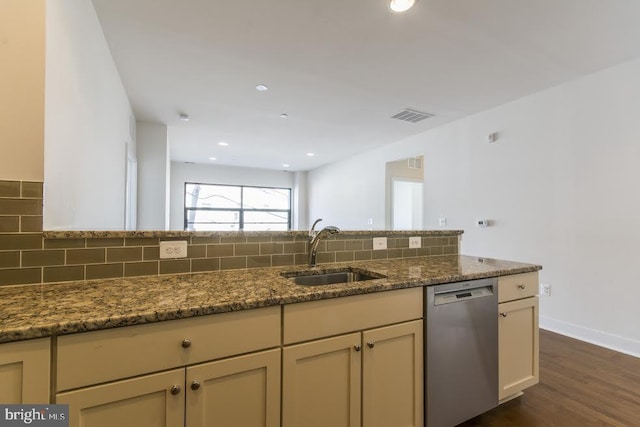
{"type": "Point", "coordinates": [214, 207]}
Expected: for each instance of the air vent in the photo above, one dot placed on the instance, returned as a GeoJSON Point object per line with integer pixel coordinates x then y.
{"type": "Point", "coordinates": [413, 116]}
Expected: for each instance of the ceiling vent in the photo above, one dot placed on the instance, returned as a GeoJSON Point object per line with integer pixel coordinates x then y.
{"type": "Point", "coordinates": [413, 116]}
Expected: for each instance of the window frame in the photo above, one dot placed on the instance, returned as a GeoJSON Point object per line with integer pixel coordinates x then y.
{"type": "Point", "coordinates": [241, 210]}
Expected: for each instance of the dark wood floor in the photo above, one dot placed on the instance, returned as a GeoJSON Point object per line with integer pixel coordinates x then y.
{"type": "Point", "coordinates": [580, 385]}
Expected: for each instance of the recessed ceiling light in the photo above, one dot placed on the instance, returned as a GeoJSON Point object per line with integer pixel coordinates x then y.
{"type": "Point", "coordinates": [223, 144]}
{"type": "Point", "coordinates": [284, 115]}
{"type": "Point", "coordinates": [212, 158]}
{"type": "Point", "coordinates": [311, 154]}
{"type": "Point", "coordinates": [262, 88]}
{"type": "Point", "coordinates": [285, 165]}
{"type": "Point", "coordinates": [184, 117]}
{"type": "Point", "coordinates": [399, 6]}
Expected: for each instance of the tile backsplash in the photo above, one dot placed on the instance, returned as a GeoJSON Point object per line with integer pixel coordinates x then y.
{"type": "Point", "coordinates": [30, 256]}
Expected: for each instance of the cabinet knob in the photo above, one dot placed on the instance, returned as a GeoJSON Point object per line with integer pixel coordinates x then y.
{"type": "Point", "coordinates": [521, 286]}
{"type": "Point", "coordinates": [186, 343]}
{"type": "Point", "coordinates": [371, 344]}
{"type": "Point", "coordinates": [195, 385]}
{"type": "Point", "coordinates": [175, 389]}
{"type": "Point", "coordinates": [356, 347]}
{"type": "Point", "coordinates": [503, 314]}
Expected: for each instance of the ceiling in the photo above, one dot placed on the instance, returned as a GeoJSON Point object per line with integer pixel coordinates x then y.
{"type": "Point", "coordinates": [341, 69]}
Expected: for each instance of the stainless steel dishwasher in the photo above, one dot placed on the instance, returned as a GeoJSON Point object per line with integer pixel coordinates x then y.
{"type": "Point", "coordinates": [461, 351]}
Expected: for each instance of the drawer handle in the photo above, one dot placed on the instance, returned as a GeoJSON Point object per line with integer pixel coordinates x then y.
{"type": "Point", "coordinates": [521, 286]}
{"type": "Point", "coordinates": [175, 389]}
{"type": "Point", "coordinates": [195, 385]}
{"type": "Point", "coordinates": [503, 314]}
{"type": "Point", "coordinates": [356, 347]}
{"type": "Point", "coordinates": [186, 343]}
{"type": "Point", "coordinates": [371, 344]}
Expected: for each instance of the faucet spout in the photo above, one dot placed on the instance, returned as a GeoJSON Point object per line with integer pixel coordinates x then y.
{"type": "Point", "coordinates": [314, 240]}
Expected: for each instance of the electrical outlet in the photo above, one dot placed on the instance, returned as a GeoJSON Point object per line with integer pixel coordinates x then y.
{"type": "Point", "coordinates": [379, 243]}
{"type": "Point", "coordinates": [415, 242]}
{"type": "Point", "coordinates": [173, 249]}
{"type": "Point", "coordinates": [545, 289]}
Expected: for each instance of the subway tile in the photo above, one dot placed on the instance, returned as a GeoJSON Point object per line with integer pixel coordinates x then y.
{"type": "Point", "coordinates": [42, 258]}
{"type": "Point", "coordinates": [10, 259]}
{"type": "Point", "coordinates": [20, 206]}
{"type": "Point", "coordinates": [295, 247]}
{"type": "Point", "coordinates": [258, 261]}
{"type": "Point", "coordinates": [301, 259]}
{"type": "Point", "coordinates": [402, 242]}
{"type": "Point", "coordinates": [271, 248]}
{"type": "Point", "coordinates": [104, 271]}
{"type": "Point", "coordinates": [367, 244]}
{"type": "Point", "coordinates": [325, 257]}
{"type": "Point", "coordinates": [391, 242]}
{"type": "Point", "coordinates": [429, 241]}
{"type": "Point", "coordinates": [63, 274]}
{"type": "Point", "coordinates": [205, 264]}
{"type": "Point", "coordinates": [20, 276]}
{"type": "Point", "coordinates": [408, 253]}
{"type": "Point", "coordinates": [233, 239]}
{"type": "Point", "coordinates": [204, 240]}
{"type": "Point", "coordinates": [345, 256]}
{"type": "Point", "coordinates": [148, 268]}
{"type": "Point", "coordinates": [362, 255]}
{"type": "Point", "coordinates": [32, 189]}
{"type": "Point", "coordinates": [177, 239]}
{"type": "Point", "coordinates": [173, 266]}
{"type": "Point", "coordinates": [379, 254]}
{"type": "Point", "coordinates": [336, 245]}
{"type": "Point", "coordinates": [20, 241]}
{"type": "Point", "coordinates": [142, 241]}
{"type": "Point", "coordinates": [436, 250]}
{"type": "Point", "coordinates": [9, 188]}
{"type": "Point", "coordinates": [85, 256]}
{"type": "Point", "coordinates": [31, 224]}
{"type": "Point", "coordinates": [9, 224]}
{"type": "Point", "coordinates": [353, 245]}
{"type": "Point", "coordinates": [151, 253]}
{"type": "Point", "coordinates": [243, 249]}
{"type": "Point", "coordinates": [394, 253]}
{"type": "Point", "coordinates": [449, 250]}
{"type": "Point", "coordinates": [105, 242]}
{"type": "Point", "coordinates": [233, 263]}
{"type": "Point", "coordinates": [258, 239]}
{"type": "Point", "coordinates": [280, 260]}
{"type": "Point", "coordinates": [196, 251]}
{"type": "Point", "coordinates": [63, 243]}
{"type": "Point", "coordinates": [222, 250]}
{"type": "Point", "coordinates": [453, 240]}
{"type": "Point", "coordinates": [124, 254]}
{"type": "Point", "coordinates": [423, 251]}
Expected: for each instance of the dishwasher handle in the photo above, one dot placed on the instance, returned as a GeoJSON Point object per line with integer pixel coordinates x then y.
{"type": "Point", "coordinates": [463, 291]}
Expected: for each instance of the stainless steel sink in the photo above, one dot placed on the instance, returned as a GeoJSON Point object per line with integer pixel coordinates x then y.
{"type": "Point", "coordinates": [323, 277]}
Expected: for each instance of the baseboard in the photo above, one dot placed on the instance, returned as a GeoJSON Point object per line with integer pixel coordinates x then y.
{"type": "Point", "coordinates": [599, 338]}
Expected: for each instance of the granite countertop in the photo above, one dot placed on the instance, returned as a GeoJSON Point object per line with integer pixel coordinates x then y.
{"type": "Point", "coordinates": [53, 309]}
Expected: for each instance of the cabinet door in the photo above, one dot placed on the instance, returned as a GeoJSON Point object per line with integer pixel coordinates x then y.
{"type": "Point", "coordinates": [142, 402]}
{"type": "Point", "coordinates": [241, 391]}
{"type": "Point", "coordinates": [24, 372]}
{"type": "Point", "coordinates": [392, 380]}
{"type": "Point", "coordinates": [518, 348]}
{"type": "Point", "coordinates": [321, 383]}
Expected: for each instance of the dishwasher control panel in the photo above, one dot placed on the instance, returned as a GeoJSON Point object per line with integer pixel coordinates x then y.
{"type": "Point", "coordinates": [461, 295]}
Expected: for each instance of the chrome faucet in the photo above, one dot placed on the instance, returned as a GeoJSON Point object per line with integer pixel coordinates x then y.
{"type": "Point", "coordinates": [314, 239]}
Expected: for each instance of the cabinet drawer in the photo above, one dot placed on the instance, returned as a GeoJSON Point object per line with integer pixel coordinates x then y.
{"type": "Point", "coordinates": [517, 286]}
{"type": "Point", "coordinates": [101, 356]}
{"type": "Point", "coordinates": [317, 319]}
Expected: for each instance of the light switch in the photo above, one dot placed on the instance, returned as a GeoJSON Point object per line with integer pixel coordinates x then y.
{"type": "Point", "coordinates": [379, 243]}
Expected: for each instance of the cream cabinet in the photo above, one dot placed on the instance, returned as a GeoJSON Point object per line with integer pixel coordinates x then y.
{"type": "Point", "coordinates": [364, 373]}
{"type": "Point", "coordinates": [518, 334]}
{"type": "Point", "coordinates": [163, 374]}
{"type": "Point", "coordinates": [25, 371]}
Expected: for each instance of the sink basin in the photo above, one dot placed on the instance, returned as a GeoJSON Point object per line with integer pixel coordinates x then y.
{"type": "Point", "coordinates": [320, 277]}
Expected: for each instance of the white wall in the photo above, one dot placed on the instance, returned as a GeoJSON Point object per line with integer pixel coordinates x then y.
{"type": "Point", "coordinates": [87, 120]}
{"type": "Point", "coordinates": [153, 176]}
{"type": "Point", "coordinates": [22, 48]}
{"type": "Point", "coordinates": [560, 185]}
{"type": "Point", "coordinates": [183, 172]}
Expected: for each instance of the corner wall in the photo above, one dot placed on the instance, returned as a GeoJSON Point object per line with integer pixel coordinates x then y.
{"type": "Point", "coordinates": [559, 185]}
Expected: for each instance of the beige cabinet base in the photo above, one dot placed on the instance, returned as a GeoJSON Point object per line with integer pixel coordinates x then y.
{"type": "Point", "coordinates": [142, 402]}
{"type": "Point", "coordinates": [241, 391]}
{"type": "Point", "coordinates": [25, 371]}
{"type": "Point", "coordinates": [518, 346]}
